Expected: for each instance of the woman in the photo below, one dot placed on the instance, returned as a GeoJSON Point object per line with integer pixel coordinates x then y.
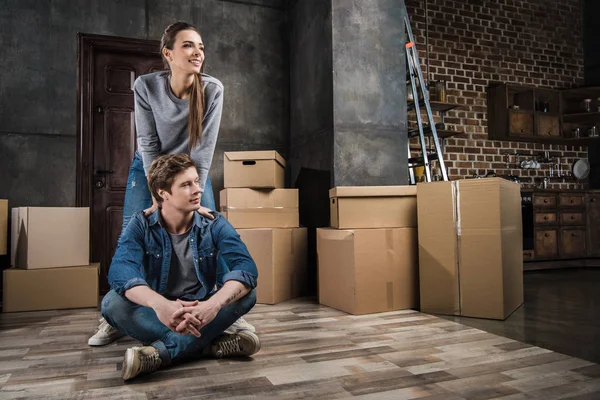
{"type": "Point", "coordinates": [176, 111]}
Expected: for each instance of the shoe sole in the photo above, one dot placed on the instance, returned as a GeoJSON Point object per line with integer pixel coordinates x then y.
{"type": "Point", "coordinates": [127, 361]}
{"type": "Point", "coordinates": [253, 338]}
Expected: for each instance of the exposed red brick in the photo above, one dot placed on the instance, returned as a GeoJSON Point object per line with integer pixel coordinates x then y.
{"type": "Point", "coordinates": [471, 46]}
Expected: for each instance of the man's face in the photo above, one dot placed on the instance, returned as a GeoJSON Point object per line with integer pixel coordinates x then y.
{"type": "Point", "coordinates": [185, 192]}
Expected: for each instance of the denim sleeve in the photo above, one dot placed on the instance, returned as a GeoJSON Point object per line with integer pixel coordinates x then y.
{"type": "Point", "coordinates": [127, 264]}
{"type": "Point", "coordinates": [241, 266]}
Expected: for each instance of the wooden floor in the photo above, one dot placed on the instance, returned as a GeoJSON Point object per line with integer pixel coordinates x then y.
{"type": "Point", "coordinates": [561, 313]}
{"type": "Point", "coordinates": [309, 351]}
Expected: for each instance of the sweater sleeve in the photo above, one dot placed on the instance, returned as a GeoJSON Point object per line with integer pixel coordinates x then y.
{"type": "Point", "coordinates": [145, 126]}
{"type": "Point", "coordinates": [203, 153]}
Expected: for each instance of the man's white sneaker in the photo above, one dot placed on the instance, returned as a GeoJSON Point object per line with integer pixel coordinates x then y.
{"type": "Point", "coordinates": [240, 325]}
{"type": "Point", "coordinates": [140, 360]}
{"type": "Point", "coordinates": [106, 334]}
{"type": "Point", "coordinates": [243, 343]}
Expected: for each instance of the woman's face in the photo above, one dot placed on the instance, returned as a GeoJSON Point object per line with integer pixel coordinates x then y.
{"type": "Point", "coordinates": [187, 55]}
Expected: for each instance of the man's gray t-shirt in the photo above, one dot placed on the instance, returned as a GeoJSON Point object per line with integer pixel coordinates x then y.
{"type": "Point", "coordinates": [161, 121]}
{"type": "Point", "coordinates": [183, 280]}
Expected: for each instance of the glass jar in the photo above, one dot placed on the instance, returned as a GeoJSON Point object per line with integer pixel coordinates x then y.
{"type": "Point", "coordinates": [440, 88]}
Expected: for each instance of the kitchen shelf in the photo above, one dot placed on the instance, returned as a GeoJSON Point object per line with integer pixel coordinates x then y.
{"type": "Point", "coordinates": [435, 106]}
{"type": "Point", "coordinates": [529, 124]}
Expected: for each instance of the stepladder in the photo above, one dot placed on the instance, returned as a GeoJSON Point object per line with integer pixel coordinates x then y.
{"type": "Point", "coordinates": [431, 150]}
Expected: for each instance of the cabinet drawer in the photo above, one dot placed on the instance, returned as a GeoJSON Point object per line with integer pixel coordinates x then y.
{"type": "Point", "coordinates": [546, 243]}
{"type": "Point", "coordinates": [545, 218]}
{"type": "Point", "coordinates": [544, 200]}
{"type": "Point", "coordinates": [547, 126]}
{"type": "Point", "coordinates": [571, 200]}
{"type": "Point", "coordinates": [521, 124]}
{"type": "Point", "coordinates": [574, 218]}
{"type": "Point", "coordinates": [572, 242]}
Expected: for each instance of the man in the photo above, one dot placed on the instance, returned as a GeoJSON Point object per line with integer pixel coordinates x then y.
{"type": "Point", "coordinates": [163, 271]}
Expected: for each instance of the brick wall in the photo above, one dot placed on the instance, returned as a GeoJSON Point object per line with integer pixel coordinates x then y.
{"type": "Point", "coordinates": [473, 43]}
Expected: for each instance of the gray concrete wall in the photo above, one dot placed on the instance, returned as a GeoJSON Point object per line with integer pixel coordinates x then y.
{"type": "Point", "coordinates": [311, 86]}
{"type": "Point", "coordinates": [369, 101]}
{"type": "Point", "coordinates": [246, 45]}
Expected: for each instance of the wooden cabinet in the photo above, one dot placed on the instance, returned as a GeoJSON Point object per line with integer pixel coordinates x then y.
{"type": "Point", "coordinates": [546, 243]}
{"type": "Point", "coordinates": [533, 114]}
{"type": "Point", "coordinates": [572, 242]}
{"type": "Point", "coordinates": [548, 126]}
{"type": "Point", "coordinates": [592, 211]}
{"type": "Point", "coordinates": [561, 225]}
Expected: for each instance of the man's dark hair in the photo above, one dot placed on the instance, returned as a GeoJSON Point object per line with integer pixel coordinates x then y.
{"type": "Point", "coordinates": [163, 171]}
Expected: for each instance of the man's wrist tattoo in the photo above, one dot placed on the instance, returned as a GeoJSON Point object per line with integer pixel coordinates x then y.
{"type": "Point", "coordinates": [233, 296]}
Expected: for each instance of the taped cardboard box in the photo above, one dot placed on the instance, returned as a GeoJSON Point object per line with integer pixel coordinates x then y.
{"type": "Point", "coordinates": [355, 207]}
{"type": "Point", "coordinates": [470, 247]}
{"type": "Point", "coordinates": [3, 226]}
{"type": "Point", "coordinates": [254, 169]}
{"type": "Point", "coordinates": [280, 256]}
{"type": "Point", "coordinates": [50, 289]}
{"type": "Point", "coordinates": [50, 237]}
{"type": "Point", "coordinates": [363, 271]}
{"type": "Point", "coordinates": [253, 208]}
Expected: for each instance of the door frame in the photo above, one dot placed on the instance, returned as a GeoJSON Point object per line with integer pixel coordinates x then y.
{"type": "Point", "coordinates": [87, 45]}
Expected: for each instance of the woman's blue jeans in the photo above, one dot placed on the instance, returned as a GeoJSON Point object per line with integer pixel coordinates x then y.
{"type": "Point", "coordinates": [138, 197]}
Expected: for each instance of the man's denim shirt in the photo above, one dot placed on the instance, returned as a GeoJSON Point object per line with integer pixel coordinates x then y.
{"type": "Point", "coordinates": [143, 255]}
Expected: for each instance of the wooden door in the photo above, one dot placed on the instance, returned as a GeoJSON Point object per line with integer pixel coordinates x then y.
{"type": "Point", "coordinates": [572, 242]}
{"type": "Point", "coordinates": [593, 224]}
{"type": "Point", "coordinates": [108, 68]}
{"type": "Point", "coordinates": [546, 243]}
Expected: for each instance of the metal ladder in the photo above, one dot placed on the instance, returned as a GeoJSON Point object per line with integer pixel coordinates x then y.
{"type": "Point", "coordinates": [420, 99]}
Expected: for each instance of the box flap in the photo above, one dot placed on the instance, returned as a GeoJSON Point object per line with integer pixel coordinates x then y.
{"type": "Point", "coordinates": [372, 191]}
{"type": "Point", "coordinates": [255, 155]}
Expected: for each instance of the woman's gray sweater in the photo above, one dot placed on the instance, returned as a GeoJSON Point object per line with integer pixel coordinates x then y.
{"type": "Point", "coordinates": [161, 121]}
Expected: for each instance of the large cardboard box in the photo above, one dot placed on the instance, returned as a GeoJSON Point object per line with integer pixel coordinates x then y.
{"type": "Point", "coordinates": [280, 256]}
{"type": "Point", "coordinates": [254, 169]}
{"type": "Point", "coordinates": [364, 271]}
{"type": "Point", "coordinates": [470, 247]}
{"type": "Point", "coordinates": [253, 208]}
{"type": "Point", "coordinates": [3, 226]}
{"type": "Point", "coordinates": [354, 207]}
{"type": "Point", "coordinates": [51, 237]}
{"type": "Point", "coordinates": [50, 289]}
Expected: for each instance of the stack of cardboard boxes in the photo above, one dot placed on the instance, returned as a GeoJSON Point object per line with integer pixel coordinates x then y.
{"type": "Point", "coordinates": [266, 217]}
{"type": "Point", "coordinates": [367, 260]}
{"type": "Point", "coordinates": [50, 260]}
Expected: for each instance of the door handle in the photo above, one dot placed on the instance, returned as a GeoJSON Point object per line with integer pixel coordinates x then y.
{"type": "Point", "coordinates": [104, 171]}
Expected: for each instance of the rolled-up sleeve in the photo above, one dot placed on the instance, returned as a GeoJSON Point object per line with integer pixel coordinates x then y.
{"type": "Point", "coordinates": [127, 264]}
{"type": "Point", "coordinates": [242, 267]}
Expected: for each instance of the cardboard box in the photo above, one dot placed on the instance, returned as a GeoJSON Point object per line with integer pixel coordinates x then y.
{"type": "Point", "coordinates": [254, 169]}
{"type": "Point", "coordinates": [50, 289]}
{"type": "Point", "coordinates": [280, 255]}
{"type": "Point", "coordinates": [3, 226]}
{"type": "Point", "coordinates": [364, 271]}
{"type": "Point", "coordinates": [252, 208]}
{"type": "Point", "coordinates": [470, 247]}
{"type": "Point", "coordinates": [51, 237]}
{"type": "Point", "coordinates": [354, 207]}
